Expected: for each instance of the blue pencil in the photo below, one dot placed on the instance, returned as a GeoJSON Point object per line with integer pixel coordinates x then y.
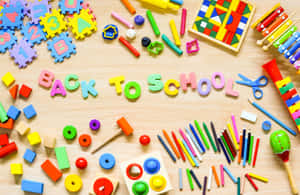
{"type": "Point", "coordinates": [197, 137]}
{"type": "Point", "coordinates": [245, 151]}
{"type": "Point", "coordinates": [195, 178]}
{"type": "Point", "coordinates": [272, 117]}
{"type": "Point", "coordinates": [166, 148]}
{"type": "Point", "coordinates": [193, 139]}
{"type": "Point", "coordinates": [244, 136]}
{"type": "Point", "coordinates": [224, 150]}
{"type": "Point", "coordinates": [190, 153]}
{"type": "Point", "coordinates": [230, 174]}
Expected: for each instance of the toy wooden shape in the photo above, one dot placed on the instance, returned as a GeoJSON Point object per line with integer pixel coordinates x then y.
{"type": "Point", "coordinates": [14, 91]}
{"type": "Point", "coordinates": [103, 185]}
{"type": "Point", "coordinates": [9, 124]}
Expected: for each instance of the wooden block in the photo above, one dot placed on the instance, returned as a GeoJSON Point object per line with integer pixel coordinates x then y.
{"type": "Point", "coordinates": [8, 79]}
{"type": "Point", "coordinates": [32, 186]}
{"type": "Point", "coordinates": [22, 128]}
{"type": "Point", "coordinates": [16, 169]}
{"type": "Point", "coordinates": [62, 158]}
{"type": "Point", "coordinates": [9, 124]}
{"type": "Point", "coordinates": [49, 142]}
{"type": "Point", "coordinates": [25, 91]}
{"type": "Point", "coordinates": [50, 169]}
{"type": "Point", "coordinates": [29, 155]}
{"type": "Point", "coordinates": [4, 140]}
{"type": "Point", "coordinates": [104, 183]}
{"type": "Point", "coordinates": [34, 138]}
{"type": "Point", "coordinates": [14, 91]}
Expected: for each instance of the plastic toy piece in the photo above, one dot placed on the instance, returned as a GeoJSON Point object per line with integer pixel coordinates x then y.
{"type": "Point", "coordinates": [71, 77]}
{"type": "Point", "coordinates": [81, 163]}
{"type": "Point", "coordinates": [95, 125]}
{"type": "Point", "coordinates": [82, 24]}
{"type": "Point", "coordinates": [248, 116]}
{"type": "Point", "coordinates": [171, 45]}
{"type": "Point", "coordinates": [14, 91]}
{"type": "Point", "coordinates": [139, 20]}
{"type": "Point", "coordinates": [73, 183]}
{"type": "Point", "coordinates": [34, 33]}
{"type": "Point", "coordinates": [266, 125]}
{"type": "Point", "coordinates": [12, 17]}
{"type": "Point", "coordinates": [146, 41]}
{"type": "Point", "coordinates": [49, 142]}
{"type": "Point", "coordinates": [129, 46]}
{"type": "Point", "coordinates": [7, 40]}
{"type": "Point", "coordinates": [125, 128]}
{"type": "Point", "coordinates": [153, 23]}
{"type": "Point", "coordinates": [145, 140]}
{"type": "Point", "coordinates": [29, 156]}
{"type": "Point", "coordinates": [16, 169]}
{"type": "Point", "coordinates": [103, 185]}
{"type": "Point", "coordinates": [121, 19]}
{"type": "Point", "coordinates": [175, 32]}
{"type": "Point", "coordinates": [192, 46]}
{"type": "Point", "coordinates": [37, 9]}
{"type": "Point", "coordinates": [70, 7]}
{"type": "Point", "coordinates": [53, 173]}
{"type": "Point", "coordinates": [23, 4]}
{"type": "Point", "coordinates": [164, 4]}
{"type": "Point", "coordinates": [85, 140]}
{"type": "Point", "coordinates": [58, 89]}
{"type": "Point", "coordinates": [131, 34]}
{"type": "Point", "coordinates": [183, 21]}
{"type": "Point", "coordinates": [107, 161]}
{"type": "Point", "coordinates": [110, 32]}
{"type": "Point", "coordinates": [117, 82]}
{"type": "Point", "coordinates": [32, 186]}
{"type": "Point", "coordinates": [8, 79]}
{"type": "Point", "coordinates": [155, 47]}
{"type": "Point", "coordinates": [53, 23]}
{"type": "Point", "coordinates": [62, 158]}
{"type": "Point", "coordinates": [23, 53]}
{"type": "Point", "coordinates": [88, 88]}
{"type": "Point", "coordinates": [8, 149]}
{"type": "Point", "coordinates": [9, 124]}
{"type": "Point", "coordinates": [22, 128]}
{"type": "Point", "coordinates": [204, 81]}
{"type": "Point", "coordinates": [29, 111]}
{"type": "Point", "coordinates": [34, 138]}
{"type": "Point", "coordinates": [129, 6]}
{"type": "Point", "coordinates": [3, 114]}
{"type": "Point", "coordinates": [25, 91]}
{"type": "Point", "coordinates": [221, 78]}
{"type": "Point", "coordinates": [229, 89]}
{"type": "Point", "coordinates": [69, 132]}
{"type": "Point", "coordinates": [61, 47]}
{"type": "Point", "coordinates": [4, 140]}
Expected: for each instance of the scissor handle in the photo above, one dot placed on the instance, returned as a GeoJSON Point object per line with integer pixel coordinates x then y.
{"type": "Point", "coordinates": [262, 80]}
{"type": "Point", "coordinates": [257, 93]}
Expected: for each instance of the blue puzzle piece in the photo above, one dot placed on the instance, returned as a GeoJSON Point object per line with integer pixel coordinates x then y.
{"type": "Point", "coordinates": [13, 112]}
{"type": "Point", "coordinates": [12, 17]}
{"type": "Point", "coordinates": [66, 7]}
{"type": "Point", "coordinates": [29, 155]}
{"type": "Point", "coordinates": [7, 40]}
{"type": "Point", "coordinates": [34, 33]}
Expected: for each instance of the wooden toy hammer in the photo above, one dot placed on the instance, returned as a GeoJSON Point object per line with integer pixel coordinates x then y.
{"type": "Point", "coordinates": [125, 128]}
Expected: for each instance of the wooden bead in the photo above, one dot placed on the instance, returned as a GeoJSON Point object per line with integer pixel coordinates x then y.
{"type": "Point", "coordinates": [73, 183]}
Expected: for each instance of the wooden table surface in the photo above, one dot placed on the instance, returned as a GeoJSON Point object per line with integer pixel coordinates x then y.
{"type": "Point", "coordinates": [100, 60]}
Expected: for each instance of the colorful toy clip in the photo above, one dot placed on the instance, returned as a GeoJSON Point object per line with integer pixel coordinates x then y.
{"type": "Point", "coordinates": [192, 44]}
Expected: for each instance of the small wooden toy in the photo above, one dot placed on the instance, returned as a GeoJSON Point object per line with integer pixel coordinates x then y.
{"type": "Point", "coordinates": [171, 45]}
{"type": "Point", "coordinates": [4, 140]}
{"type": "Point", "coordinates": [16, 169]}
{"type": "Point", "coordinates": [13, 112]}
{"type": "Point", "coordinates": [49, 142]}
{"type": "Point", "coordinates": [129, 46]}
{"type": "Point", "coordinates": [3, 115]}
{"type": "Point", "coordinates": [29, 111]}
{"type": "Point", "coordinates": [8, 79]}
{"type": "Point", "coordinates": [9, 124]}
{"type": "Point", "coordinates": [73, 183]}
{"type": "Point", "coordinates": [81, 163]}
{"type": "Point", "coordinates": [107, 161]}
{"type": "Point", "coordinates": [280, 143]}
{"type": "Point", "coordinates": [248, 116]}
{"type": "Point", "coordinates": [224, 22]}
{"type": "Point", "coordinates": [95, 125]}
{"type": "Point", "coordinates": [121, 19]}
{"type": "Point", "coordinates": [125, 128]}
{"type": "Point", "coordinates": [14, 91]}
{"type": "Point", "coordinates": [62, 158]}
{"type": "Point", "coordinates": [49, 168]}
{"type": "Point", "coordinates": [145, 140]}
{"type": "Point", "coordinates": [129, 6]}
{"type": "Point", "coordinates": [69, 132]}
{"type": "Point", "coordinates": [146, 175]}
{"type": "Point", "coordinates": [175, 33]}
{"type": "Point", "coordinates": [103, 185]}
{"type": "Point", "coordinates": [85, 140]}
{"type": "Point", "coordinates": [8, 149]}
{"type": "Point", "coordinates": [29, 155]}
{"type": "Point", "coordinates": [22, 128]}
{"type": "Point", "coordinates": [32, 186]}
{"type": "Point", "coordinates": [153, 23]}
{"type": "Point", "coordinates": [25, 91]}
{"type": "Point", "coordinates": [34, 138]}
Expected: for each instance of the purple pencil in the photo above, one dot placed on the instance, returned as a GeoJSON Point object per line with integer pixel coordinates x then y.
{"type": "Point", "coordinates": [187, 142]}
{"type": "Point", "coordinates": [204, 185]}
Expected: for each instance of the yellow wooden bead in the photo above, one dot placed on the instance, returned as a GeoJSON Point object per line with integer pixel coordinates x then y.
{"type": "Point", "coordinates": [16, 169]}
{"type": "Point", "coordinates": [8, 79]}
{"type": "Point", "coordinates": [73, 183]}
{"type": "Point", "coordinates": [34, 138]}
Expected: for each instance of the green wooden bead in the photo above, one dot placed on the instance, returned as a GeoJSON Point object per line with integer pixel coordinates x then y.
{"type": "Point", "coordinates": [69, 132]}
{"type": "Point", "coordinates": [69, 78]}
{"type": "Point", "coordinates": [136, 94]}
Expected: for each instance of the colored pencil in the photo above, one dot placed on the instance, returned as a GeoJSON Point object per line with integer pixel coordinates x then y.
{"type": "Point", "coordinates": [215, 135]}
{"type": "Point", "coordinates": [243, 184]}
{"type": "Point", "coordinates": [251, 181]}
{"type": "Point", "coordinates": [166, 148]}
{"type": "Point", "coordinates": [171, 143]}
{"type": "Point", "coordinates": [190, 179]}
{"type": "Point", "coordinates": [260, 178]}
{"type": "Point", "coordinates": [233, 136]}
{"type": "Point", "coordinates": [195, 178]}
{"type": "Point", "coordinates": [216, 176]}
{"type": "Point", "coordinates": [230, 174]}
{"type": "Point", "coordinates": [178, 146]}
{"type": "Point", "coordinates": [272, 117]}
{"type": "Point", "coordinates": [245, 152]}
{"type": "Point", "coordinates": [190, 153]}
{"type": "Point", "coordinates": [244, 136]}
{"type": "Point", "coordinates": [209, 137]}
{"type": "Point", "coordinates": [194, 147]}
{"type": "Point", "coordinates": [222, 175]}
{"type": "Point", "coordinates": [238, 186]}
{"type": "Point", "coordinates": [193, 140]}
{"type": "Point", "coordinates": [229, 142]}
{"type": "Point", "coordinates": [224, 151]}
{"type": "Point", "coordinates": [197, 137]}
{"type": "Point", "coordinates": [187, 142]}
{"type": "Point", "coordinates": [248, 147]}
{"type": "Point", "coordinates": [236, 132]}
{"type": "Point", "coordinates": [240, 150]}
{"type": "Point", "coordinates": [180, 179]}
{"type": "Point", "coordinates": [251, 150]}
{"type": "Point", "coordinates": [255, 152]}
{"type": "Point", "coordinates": [227, 147]}
{"type": "Point", "coordinates": [209, 179]}
{"type": "Point", "coordinates": [186, 153]}
{"type": "Point", "coordinates": [201, 134]}
{"type": "Point", "coordinates": [204, 184]}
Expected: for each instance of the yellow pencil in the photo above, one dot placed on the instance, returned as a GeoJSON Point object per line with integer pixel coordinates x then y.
{"type": "Point", "coordinates": [175, 32]}
{"type": "Point", "coordinates": [186, 153]}
{"type": "Point", "coordinates": [263, 179]}
{"type": "Point", "coordinates": [233, 136]}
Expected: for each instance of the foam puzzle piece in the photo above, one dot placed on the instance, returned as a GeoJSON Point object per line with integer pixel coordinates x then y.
{"type": "Point", "coordinates": [12, 17]}
{"type": "Point", "coordinates": [38, 9]}
{"type": "Point", "coordinates": [53, 23]}
{"type": "Point", "coordinates": [13, 112]}
{"type": "Point", "coordinates": [8, 79]}
{"type": "Point", "coordinates": [117, 82]}
{"type": "Point", "coordinates": [110, 32]}
{"type": "Point", "coordinates": [204, 81]}
{"type": "Point", "coordinates": [49, 168]}
{"type": "Point", "coordinates": [22, 128]}
{"type": "Point", "coordinates": [103, 184]}
{"type": "Point", "coordinates": [29, 155]}
{"type": "Point", "coordinates": [62, 157]}
{"type": "Point", "coordinates": [4, 139]}
{"type": "Point", "coordinates": [58, 89]}
{"type": "Point", "coordinates": [46, 78]}
{"type": "Point", "coordinates": [71, 87]}
{"type": "Point", "coordinates": [20, 3]}
{"type": "Point", "coordinates": [7, 40]}
{"type": "Point", "coordinates": [88, 88]}
{"type": "Point", "coordinates": [29, 111]}
{"type": "Point", "coordinates": [229, 89]}
{"type": "Point", "coordinates": [32, 186]}
{"type": "Point", "coordinates": [70, 7]}
{"type": "Point", "coordinates": [23, 53]}
{"type": "Point", "coordinates": [34, 138]}
{"type": "Point", "coordinates": [214, 81]}
{"type": "Point", "coordinates": [34, 33]}
{"type": "Point", "coordinates": [25, 91]}
{"type": "Point", "coordinates": [82, 24]}
{"type": "Point", "coordinates": [16, 169]}
{"type": "Point", "coordinates": [14, 91]}
{"type": "Point", "coordinates": [49, 142]}
{"type": "Point", "coordinates": [61, 47]}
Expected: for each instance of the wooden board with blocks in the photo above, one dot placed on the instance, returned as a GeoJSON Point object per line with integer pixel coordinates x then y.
{"type": "Point", "coordinates": [224, 22]}
{"type": "Point", "coordinates": [146, 175]}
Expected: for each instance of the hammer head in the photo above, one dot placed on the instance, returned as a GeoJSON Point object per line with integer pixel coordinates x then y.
{"type": "Point", "coordinates": [125, 126]}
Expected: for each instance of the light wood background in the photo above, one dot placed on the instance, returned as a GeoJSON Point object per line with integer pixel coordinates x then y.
{"type": "Point", "coordinates": [152, 112]}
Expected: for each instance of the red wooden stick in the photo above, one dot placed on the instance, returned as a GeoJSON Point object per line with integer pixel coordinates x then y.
{"type": "Point", "coordinates": [251, 181]}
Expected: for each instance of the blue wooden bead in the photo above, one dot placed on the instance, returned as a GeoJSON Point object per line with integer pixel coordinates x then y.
{"type": "Point", "coordinates": [107, 161]}
{"type": "Point", "coordinates": [29, 111]}
{"type": "Point", "coordinates": [139, 20]}
{"type": "Point", "coordinates": [29, 155]}
{"type": "Point", "coordinates": [13, 112]}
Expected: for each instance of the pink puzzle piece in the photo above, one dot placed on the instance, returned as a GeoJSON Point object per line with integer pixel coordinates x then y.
{"type": "Point", "coordinates": [192, 44]}
{"type": "Point", "coordinates": [229, 89]}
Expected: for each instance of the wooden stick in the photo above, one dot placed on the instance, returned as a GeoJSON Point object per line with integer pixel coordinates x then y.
{"type": "Point", "coordinates": [108, 140]}
{"type": "Point", "coordinates": [291, 178]}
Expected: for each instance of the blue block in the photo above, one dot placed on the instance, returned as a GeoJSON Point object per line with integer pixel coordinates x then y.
{"type": "Point", "coordinates": [32, 186]}
{"type": "Point", "coordinates": [29, 111]}
{"type": "Point", "coordinates": [29, 155]}
{"type": "Point", "coordinates": [244, 19]}
{"type": "Point", "coordinates": [292, 101]}
{"type": "Point", "coordinates": [206, 2]}
{"type": "Point", "coordinates": [201, 14]}
{"type": "Point", "coordinates": [13, 112]}
{"type": "Point", "coordinates": [239, 31]}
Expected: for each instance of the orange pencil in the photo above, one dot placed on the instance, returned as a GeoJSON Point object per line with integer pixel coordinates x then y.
{"type": "Point", "coordinates": [216, 176]}
{"type": "Point", "coordinates": [240, 152]}
{"type": "Point", "coordinates": [171, 144]}
{"type": "Point", "coordinates": [129, 6]}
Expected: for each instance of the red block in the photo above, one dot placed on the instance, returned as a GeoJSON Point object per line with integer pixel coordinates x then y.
{"type": "Point", "coordinates": [9, 124]}
{"type": "Point", "coordinates": [50, 169]}
{"type": "Point", "coordinates": [289, 94]}
{"type": "Point", "coordinates": [241, 7]}
{"type": "Point", "coordinates": [4, 140]}
{"type": "Point", "coordinates": [25, 91]}
{"type": "Point", "coordinates": [8, 149]}
{"type": "Point", "coordinates": [14, 91]}
{"type": "Point", "coordinates": [207, 31]}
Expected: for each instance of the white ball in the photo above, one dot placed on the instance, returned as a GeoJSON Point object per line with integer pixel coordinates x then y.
{"type": "Point", "coordinates": [131, 34]}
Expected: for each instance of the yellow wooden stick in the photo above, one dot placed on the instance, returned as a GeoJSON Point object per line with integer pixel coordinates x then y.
{"type": "Point", "coordinates": [175, 32]}
{"type": "Point", "coordinates": [233, 136]}
{"type": "Point", "coordinates": [260, 178]}
{"type": "Point", "coordinates": [186, 153]}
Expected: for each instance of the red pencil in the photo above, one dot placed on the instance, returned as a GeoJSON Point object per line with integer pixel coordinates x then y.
{"type": "Point", "coordinates": [251, 181]}
{"type": "Point", "coordinates": [129, 46]}
{"type": "Point", "coordinates": [178, 146]}
{"type": "Point", "coordinates": [229, 143]}
{"type": "Point", "coordinates": [256, 151]}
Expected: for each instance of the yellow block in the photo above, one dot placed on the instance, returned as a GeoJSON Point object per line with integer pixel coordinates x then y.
{"type": "Point", "coordinates": [279, 31]}
{"type": "Point", "coordinates": [221, 34]}
{"type": "Point", "coordinates": [34, 138]}
{"type": "Point", "coordinates": [16, 169]}
{"type": "Point", "coordinates": [263, 179]}
{"type": "Point", "coordinates": [175, 32]}
{"type": "Point", "coordinates": [209, 11]}
{"type": "Point", "coordinates": [234, 5]}
{"type": "Point", "coordinates": [283, 82]}
{"type": "Point", "coordinates": [8, 79]}
{"type": "Point", "coordinates": [265, 15]}
{"type": "Point", "coordinates": [294, 108]}
{"type": "Point", "coordinates": [117, 82]}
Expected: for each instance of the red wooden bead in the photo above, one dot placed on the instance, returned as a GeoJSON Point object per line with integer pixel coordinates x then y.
{"type": "Point", "coordinates": [81, 163]}
{"type": "Point", "coordinates": [25, 91]}
{"type": "Point", "coordinates": [145, 140]}
{"type": "Point", "coordinates": [85, 140]}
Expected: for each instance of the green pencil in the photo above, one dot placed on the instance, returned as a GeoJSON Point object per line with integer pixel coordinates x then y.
{"type": "Point", "coordinates": [201, 134]}
{"type": "Point", "coordinates": [210, 137]}
{"type": "Point", "coordinates": [190, 179]}
{"type": "Point", "coordinates": [238, 186]}
{"type": "Point", "coordinates": [227, 147]}
{"type": "Point", "coordinates": [251, 149]}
